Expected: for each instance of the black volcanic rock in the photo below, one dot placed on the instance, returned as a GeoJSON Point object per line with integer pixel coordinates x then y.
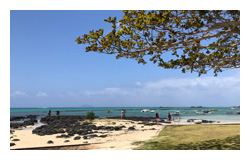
{"type": "Point", "coordinates": [12, 144]}
{"type": "Point", "coordinates": [103, 136]}
{"type": "Point", "coordinates": [63, 136]}
{"type": "Point", "coordinates": [17, 118]}
{"type": "Point", "coordinates": [29, 120]}
{"type": "Point", "coordinates": [131, 128]}
{"type": "Point", "coordinates": [77, 138]}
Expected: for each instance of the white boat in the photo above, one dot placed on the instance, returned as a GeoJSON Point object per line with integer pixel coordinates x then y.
{"type": "Point", "coordinates": [197, 121]}
{"type": "Point", "coordinates": [176, 113]}
{"type": "Point", "coordinates": [201, 113]}
{"type": "Point", "coordinates": [145, 110]}
{"type": "Point", "coordinates": [152, 111]}
{"type": "Point", "coordinates": [233, 107]}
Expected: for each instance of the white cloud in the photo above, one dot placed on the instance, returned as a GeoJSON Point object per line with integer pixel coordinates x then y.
{"type": "Point", "coordinates": [207, 91]}
{"type": "Point", "coordinates": [106, 91]}
{"type": "Point", "coordinates": [190, 83]}
{"type": "Point", "coordinates": [67, 94]}
{"type": "Point", "coordinates": [19, 93]}
{"type": "Point", "coordinates": [41, 94]}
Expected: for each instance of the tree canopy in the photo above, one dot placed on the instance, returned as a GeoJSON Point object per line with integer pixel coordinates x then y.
{"type": "Point", "coordinates": [190, 40]}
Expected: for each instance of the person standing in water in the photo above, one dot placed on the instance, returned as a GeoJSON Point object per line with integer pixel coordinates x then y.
{"type": "Point", "coordinates": [123, 114]}
{"type": "Point", "coordinates": [49, 113]}
{"type": "Point", "coordinates": [157, 118]}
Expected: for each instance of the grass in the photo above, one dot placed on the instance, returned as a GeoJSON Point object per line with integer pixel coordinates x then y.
{"type": "Point", "coordinates": [195, 137]}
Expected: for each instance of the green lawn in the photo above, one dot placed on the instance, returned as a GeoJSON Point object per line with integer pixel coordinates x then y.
{"type": "Point", "coordinates": [195, 137]}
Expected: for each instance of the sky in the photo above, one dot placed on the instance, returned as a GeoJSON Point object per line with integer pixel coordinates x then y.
{"type": "Point", "coordinates": [49, 69]}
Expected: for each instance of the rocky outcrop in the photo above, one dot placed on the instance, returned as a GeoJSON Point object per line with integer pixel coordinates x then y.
{"type": "Point", "coordinates": [28, 120]}
{"type": "Point", "coordinates": [203, 121]}
{"type": "Point", "coordinates": [12, 144]}
{"type": "Point", "coordinates": [71, 126]}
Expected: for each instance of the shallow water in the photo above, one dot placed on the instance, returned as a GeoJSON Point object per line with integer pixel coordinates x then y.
{"type": "Point", "coordinates": [185, 112]}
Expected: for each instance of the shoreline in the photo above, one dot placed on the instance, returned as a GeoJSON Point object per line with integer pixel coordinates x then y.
{"type": "Point", "coordinates": [120, 139]}
{"type": "Point", "coordinates": [117, 140]}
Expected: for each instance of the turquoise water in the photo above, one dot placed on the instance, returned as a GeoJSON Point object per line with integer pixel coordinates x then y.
{"type": "Point", "coordinates": [185, 112]}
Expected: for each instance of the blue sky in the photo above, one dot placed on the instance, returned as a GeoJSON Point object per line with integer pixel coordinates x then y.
{"type": "Point", "coordinates": [49, 69]}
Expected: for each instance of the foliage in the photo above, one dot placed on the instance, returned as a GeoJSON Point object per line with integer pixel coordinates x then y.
{"type": "Point", "coordinates": [189, 40]}
{"type": "Point", "coordinates": [90, 115]}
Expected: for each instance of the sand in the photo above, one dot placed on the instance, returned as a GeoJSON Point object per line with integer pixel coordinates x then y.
{"type": "Point", "coordinates": [116, 140]}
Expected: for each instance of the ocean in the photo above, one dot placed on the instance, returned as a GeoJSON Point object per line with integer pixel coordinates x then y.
{"type": "Point", "coordinates": [221, 114]}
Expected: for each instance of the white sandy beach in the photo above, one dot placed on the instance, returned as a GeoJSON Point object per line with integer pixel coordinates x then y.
{"type": "Point", "coordinates": [116, 140]}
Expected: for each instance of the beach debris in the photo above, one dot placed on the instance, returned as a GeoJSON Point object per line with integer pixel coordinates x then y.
{"type": "Point", "coordinates": [16, 140]}
{"type": "Point", "coordinates": [50, 142]}
{"type": "Point", "coordinates": [66, 141]}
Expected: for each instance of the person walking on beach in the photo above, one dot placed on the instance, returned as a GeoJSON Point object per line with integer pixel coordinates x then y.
{"type": "Point", "coordinates": [57, 113]}
{"type": "Point", "coordinates": [157, 118]}
{"type": "Point", "coordinates": [169, 117]}
{"type": "Point", "coordinates": [49, 113]}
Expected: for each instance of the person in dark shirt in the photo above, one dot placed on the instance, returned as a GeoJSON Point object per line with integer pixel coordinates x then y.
{"type": "Point", "coordinates": [49, 113]}
{"type": "Point", "coordinates": [57, 113]}
{"type": "Point", "coordinates": [157, 118]}
{"type": "Point", "coordinates": [169, 117]}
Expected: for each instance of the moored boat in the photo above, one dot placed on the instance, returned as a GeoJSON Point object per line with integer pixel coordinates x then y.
{"type": "Point", "coordinates": [201, 113]}
{"type": "Point", "coordinates": [109, 111]}
{"type": "Point", "coordinates": [176, 113]}
{"type": "Point", "coordinates": [145, 110]}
